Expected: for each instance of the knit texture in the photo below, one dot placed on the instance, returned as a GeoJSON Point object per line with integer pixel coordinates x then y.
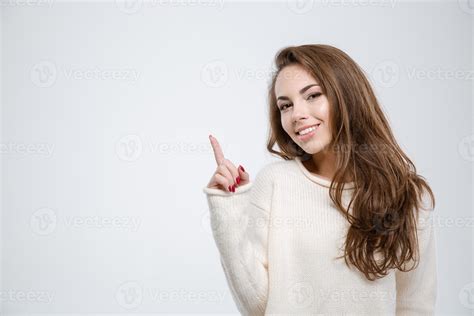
{"type": "Point", "coordinates": [278, 237]}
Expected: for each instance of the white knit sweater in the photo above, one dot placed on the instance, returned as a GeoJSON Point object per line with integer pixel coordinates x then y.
{"type": "Point", "coordinates": [278, 236]}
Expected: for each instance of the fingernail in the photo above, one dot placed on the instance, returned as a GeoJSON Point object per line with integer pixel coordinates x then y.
{"type": "Point", "coordinates": [242, 168]}
{"type": "Point", "coordinates": [233, 188]}
{"type": "Point", "coordinates": [237, 180]}
{"type": "Point", "coordinates": [230, 188]}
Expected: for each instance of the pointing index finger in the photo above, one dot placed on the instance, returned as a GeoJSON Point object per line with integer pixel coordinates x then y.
{"type": "Point", "coordinates": [218, 154]}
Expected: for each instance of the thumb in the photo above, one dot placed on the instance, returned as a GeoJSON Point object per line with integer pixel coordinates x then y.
{"type": "Point", "coordinates": [244, 176]}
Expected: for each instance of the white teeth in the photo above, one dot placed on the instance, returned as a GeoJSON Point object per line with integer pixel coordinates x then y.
{"type": "Point", "coordinates": [306, 131]}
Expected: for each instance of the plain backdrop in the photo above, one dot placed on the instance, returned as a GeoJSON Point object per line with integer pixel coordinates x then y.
{"type": "Point", "coordinates": [106, 110]}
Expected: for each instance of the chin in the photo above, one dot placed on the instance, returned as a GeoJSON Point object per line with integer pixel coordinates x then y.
{"type": "Point", "coordinates": [312, 147]}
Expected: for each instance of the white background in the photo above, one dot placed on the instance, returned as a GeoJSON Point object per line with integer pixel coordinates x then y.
{"type": "Point", "coordinates": [106, 112]}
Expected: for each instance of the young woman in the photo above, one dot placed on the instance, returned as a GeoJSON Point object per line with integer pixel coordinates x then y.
{"type": "Point", "coordinates": [341, 224]}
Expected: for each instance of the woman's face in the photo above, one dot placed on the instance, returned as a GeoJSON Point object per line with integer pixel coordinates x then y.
{"type": "Point", "coordinates": [302, 104]}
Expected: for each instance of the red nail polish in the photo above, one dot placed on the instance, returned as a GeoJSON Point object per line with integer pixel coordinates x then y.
{"type": "Point", "coordinates": [230, 189]}
{"type": "Point", "coordinates": [237, 180]}
{"type": "Point", "coordinates": [242, 168]}
{"type": "Point", "coordinates": [233, 188]}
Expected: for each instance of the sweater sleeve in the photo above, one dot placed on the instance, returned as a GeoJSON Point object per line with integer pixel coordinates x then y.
{"type": "Point", "coordinates": [417, 289]}
{"type": "Point", "coordinates": [239, 224]}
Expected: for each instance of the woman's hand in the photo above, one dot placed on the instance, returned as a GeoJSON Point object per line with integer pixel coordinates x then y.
{"type": "Point", "coordinates": [227, 176]}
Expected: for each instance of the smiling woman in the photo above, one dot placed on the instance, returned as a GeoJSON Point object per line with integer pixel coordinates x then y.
{"type": "Point", "coordinates": [343, 178]}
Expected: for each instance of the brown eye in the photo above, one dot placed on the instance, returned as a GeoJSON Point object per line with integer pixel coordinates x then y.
{"type": "Point", "coordinates": [315, 95]}
{"type": "Point", "coordinates": [282, 107]}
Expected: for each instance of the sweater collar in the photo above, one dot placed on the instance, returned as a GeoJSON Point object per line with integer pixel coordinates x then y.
{"type": "Point", "coordinates": [318, 179]}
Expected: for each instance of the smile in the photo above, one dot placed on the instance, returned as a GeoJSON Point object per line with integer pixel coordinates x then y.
{"type": "Point", "coordinates": [307, 133]}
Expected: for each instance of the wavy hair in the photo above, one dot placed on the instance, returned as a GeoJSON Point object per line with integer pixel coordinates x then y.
{"type": "Point", "coordinates": [386, 186]}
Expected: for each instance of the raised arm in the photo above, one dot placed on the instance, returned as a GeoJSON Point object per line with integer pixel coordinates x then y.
{"type": "Point", "coordinates": [239, 221]}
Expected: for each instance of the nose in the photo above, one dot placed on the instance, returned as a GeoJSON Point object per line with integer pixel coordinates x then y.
{"type": "Point", "coordinates": [299, 112]}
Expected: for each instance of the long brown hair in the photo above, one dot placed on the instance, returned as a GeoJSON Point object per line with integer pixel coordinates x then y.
{"type": "Point", "coordinates": [387, 187]}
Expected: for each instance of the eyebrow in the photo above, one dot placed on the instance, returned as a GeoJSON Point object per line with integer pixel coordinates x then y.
{"type": "Point", "coordinates": [301, 92]}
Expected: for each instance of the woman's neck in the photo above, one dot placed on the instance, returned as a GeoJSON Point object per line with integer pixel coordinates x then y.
{"type": "Point", "coordinates": [322, 164]}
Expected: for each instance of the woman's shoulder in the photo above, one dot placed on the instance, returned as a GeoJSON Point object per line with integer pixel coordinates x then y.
{"type": "Point", "coordinates": [274, 169]}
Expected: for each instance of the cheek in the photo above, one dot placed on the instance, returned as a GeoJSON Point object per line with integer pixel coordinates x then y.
{"type": "Point", "coordinates": [286, 126]}
{"type": "Point", "coordinates": [325, 110]}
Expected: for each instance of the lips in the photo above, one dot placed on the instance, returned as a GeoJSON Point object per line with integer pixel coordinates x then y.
{"type": "Point", "coordinates": [306, 127]}
{"type": "Point", "coordinates": [307, 136]}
